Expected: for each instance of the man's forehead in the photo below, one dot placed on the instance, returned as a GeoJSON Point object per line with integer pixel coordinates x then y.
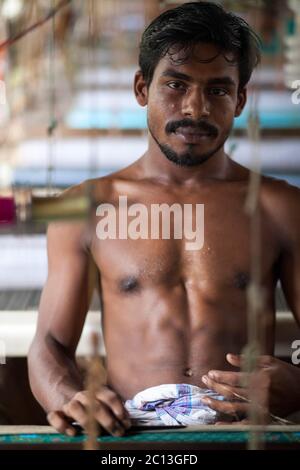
{"type": "Point", "coordinates": [206, 58]}
{"type": "Point", "coordinates": [202, 52]}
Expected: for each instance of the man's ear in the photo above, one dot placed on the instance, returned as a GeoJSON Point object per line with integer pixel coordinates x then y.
{"type": "Point", "coordinates": [242, 100]}
{"type": "Point", "coordinates": [140, 89]}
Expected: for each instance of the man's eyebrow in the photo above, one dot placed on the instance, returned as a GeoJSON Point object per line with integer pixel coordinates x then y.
{"type": "Point", "coordinates": [175, 74]}
{"type": "Point", "coordinates": [226, 80]}
{"type": "Point", "coordinates": [221, 81]}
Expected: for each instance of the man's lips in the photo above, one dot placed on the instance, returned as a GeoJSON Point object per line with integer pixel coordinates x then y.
{"type": "Point", "coordinates": [193, 136]}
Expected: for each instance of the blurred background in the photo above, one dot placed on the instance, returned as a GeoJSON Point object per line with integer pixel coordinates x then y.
{"type": "Point", "coordinates": [68, 113]}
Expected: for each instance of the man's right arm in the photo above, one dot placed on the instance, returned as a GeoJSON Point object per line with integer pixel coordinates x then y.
{"type": "Point", "coordinates": [54, 376]}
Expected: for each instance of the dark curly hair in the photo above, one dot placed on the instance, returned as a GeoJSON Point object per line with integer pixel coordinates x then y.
{"type": "Point", "coordinates": [195, 22]}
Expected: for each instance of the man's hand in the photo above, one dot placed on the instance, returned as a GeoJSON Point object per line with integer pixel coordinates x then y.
{"type": "Point", "coordinates": [276, 385]}
{"type": "Point", "coordinates": [110, 413]}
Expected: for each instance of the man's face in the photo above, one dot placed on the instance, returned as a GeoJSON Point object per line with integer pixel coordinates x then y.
{"type": "Point", "coordinates": [191, 106]}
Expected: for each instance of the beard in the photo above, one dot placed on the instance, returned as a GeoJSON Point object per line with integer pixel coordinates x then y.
{"type": "Point", "coordinates": [188, 158]}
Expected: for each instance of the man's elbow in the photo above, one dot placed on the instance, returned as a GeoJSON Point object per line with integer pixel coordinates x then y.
{"type": "Point", "coordinates": [33, 361]}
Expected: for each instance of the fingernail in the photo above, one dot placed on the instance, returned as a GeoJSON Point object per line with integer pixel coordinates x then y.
{"type": "Point", "coordinates": [118, 431]}
{"type": "Point", "coordinates": [70, 432]}
{"type": "Point", "coordinates": [205, 400]}
{"type": "Point", "coordinates": [204, 379]}
{"type": "Point", "coordinates": [211, 374]}
{"type": "Point", "coordinates": [127, 423]}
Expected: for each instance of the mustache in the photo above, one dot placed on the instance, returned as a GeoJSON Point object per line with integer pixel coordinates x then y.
{"type": "Point", "coordinates": [201, 125]}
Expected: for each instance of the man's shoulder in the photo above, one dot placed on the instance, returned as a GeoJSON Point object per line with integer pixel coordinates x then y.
{"type": "Point", "coordinates": [95, 187]}
{"type": "Point", "coordinates": [280, 192]}
{"type": "Point", "coordinates": [72, 228]}
{"type": "Point", "coordinates": [101, 189]}
{"type": "Point", "coordinates": [281, 202]}
{"type": "Point", "coordinates": [75, 229]}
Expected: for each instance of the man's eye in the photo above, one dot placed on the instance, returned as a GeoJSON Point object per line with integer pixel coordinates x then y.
{"type": "Point", "coordinates": [175, 85]}
{"type": "Point", "coordinates": [218, 91]}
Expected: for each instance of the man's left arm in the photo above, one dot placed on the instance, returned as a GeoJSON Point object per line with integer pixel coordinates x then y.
{"type": "Point", "coordinates": [282, 378]}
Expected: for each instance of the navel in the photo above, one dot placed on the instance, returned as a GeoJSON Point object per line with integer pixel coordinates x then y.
{"type": "Point", "coordinates": [188, 372]}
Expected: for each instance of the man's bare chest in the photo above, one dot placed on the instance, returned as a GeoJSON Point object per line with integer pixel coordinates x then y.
{"type": "Point", "coordinates": [160, 240]}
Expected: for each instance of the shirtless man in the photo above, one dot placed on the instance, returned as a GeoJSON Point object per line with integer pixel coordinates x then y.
{"type": "Point", "coordinates": [172, 315]}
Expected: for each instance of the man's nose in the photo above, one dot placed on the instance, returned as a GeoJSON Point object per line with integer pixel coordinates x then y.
{"type": "Point", "coordinates": [195, 105]}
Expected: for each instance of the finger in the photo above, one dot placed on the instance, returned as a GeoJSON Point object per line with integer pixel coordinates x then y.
{"type": "Point", "coordinates": [235, 379]}
{"type": "Point", "coordinates": [226, 390]}
{"type": "Point", "coordinates": [232, 408]}
{"type": "Point", "coordinates": [61, 423]}
{"type": "Point", "coordinates": [237, 360]}
{"type": "Point", "coordinates": [114, 402]}
{"type": "Point", "coordinates": [84, 398]}
{"type": "Point", "coordinates": [265, 361]}
{"type": "Point", "coordinates": [75, 410]}
{"type": "Point", "coordinates": [78, 409]}
{"type": "Point", "coordinates": [234, 359]}
{"type": "Point", "coordinates": [108, 420]}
